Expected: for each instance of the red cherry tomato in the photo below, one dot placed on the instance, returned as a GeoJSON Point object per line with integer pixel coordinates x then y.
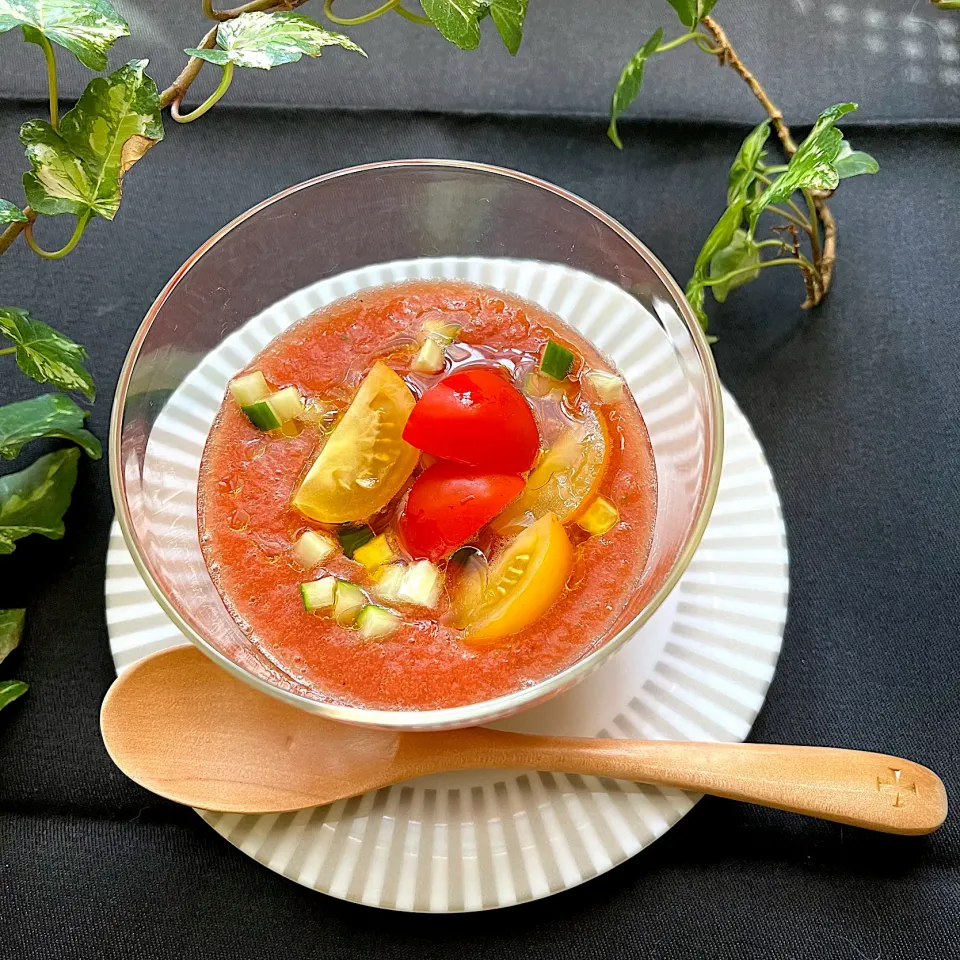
{"type": "Point", "coordinates": [477, 417]}
{"type": "Point", "coordinates": [448, 503]}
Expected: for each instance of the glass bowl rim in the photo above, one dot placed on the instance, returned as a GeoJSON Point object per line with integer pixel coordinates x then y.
{"type": "Point", "coordinates": [484, 710]}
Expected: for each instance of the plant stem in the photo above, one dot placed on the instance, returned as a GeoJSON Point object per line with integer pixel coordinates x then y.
{"type": "Point", "coordinates": [82, 222]}
{"type": "Point", "coordinates": [789, 217]}
{"type": "Point", "coordinates": [412, 17]}
{"type": "Point", "coordinates": [780, 261]}
{"type": "Point", "coordinates": [814, 226]}
{"type": "Point", "coordinates": [235, 12]}
{"type": "Point", "coordinates": [15, 229]}
{"type": "Point", "coordinates": [48, 55]}
{"type": "Point", "coordinates": [728, 56]}
{"type": "Point", "coordinates": [770, 243]}
{"type": "Point", "coordinates": [214, 97]}
{"type": "Point", "coordinates": [353, 21]}
{"type": "Point", "coordinates": [676, 42]}
{"type": "Point", "coordinates": [7, 350]}
{"type": "Point", "coordinates": [179, 87]}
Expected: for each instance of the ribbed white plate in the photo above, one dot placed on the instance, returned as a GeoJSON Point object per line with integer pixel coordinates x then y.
{"type": "Point", "coordinates": [698, 670]}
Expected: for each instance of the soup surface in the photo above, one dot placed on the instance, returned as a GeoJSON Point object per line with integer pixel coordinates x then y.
{"type": "Point", "coordinates": [442, 406]}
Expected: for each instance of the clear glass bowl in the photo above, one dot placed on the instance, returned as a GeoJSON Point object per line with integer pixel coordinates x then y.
{"type": "Point", "coordinates": [374, 214]}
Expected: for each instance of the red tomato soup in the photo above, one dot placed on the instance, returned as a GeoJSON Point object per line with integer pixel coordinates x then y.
{"type": "Point", "coordinates": [482, 464]}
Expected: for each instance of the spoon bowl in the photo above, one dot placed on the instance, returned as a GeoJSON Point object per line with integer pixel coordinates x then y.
{"type": "Point", "coordinates": [185, 729]}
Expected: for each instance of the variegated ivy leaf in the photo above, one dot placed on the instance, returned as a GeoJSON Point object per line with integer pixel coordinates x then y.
{"type": "Point", "coordinates": [79, 169]}
{"type": "Point", "coordinates": [459, 20]}
{"type": "Point", "coordinates": [10, 690]}
{"type": "Point", "coordinates": [35, 500]}
{"type": "Point", "coordinates": [719, 237]}
{"type": "Point", "coordinates": [741, 253]}
{"type": "Point", "coordinates": [10, 213]}
{"type": "Point", "coordinates": [266, 40]}
{"type": "Point", "coordinates": [628, 86]}
{"type": "Point", "coordinates": [87, 28]}
{"type": "Point", "coordinates": [508, 17]}
{"type": "Point", "coordinates": [813, 166]}
{"type": "Point", "coordinates": [853, 163]}
{"type": "Point", "coordinates": [49, 415]}
{"type": "Point", "coordinates": [11, 630]}
{"type": "Point", "coordinates": [45, 355]}
{"type": "Point", "coordinates": [691, 12]}
{"type": "Point", "coordinates": [745, 167]}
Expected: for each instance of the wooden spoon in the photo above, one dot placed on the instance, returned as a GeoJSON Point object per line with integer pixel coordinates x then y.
{"type": "Point", "coordinates": [179, 725]}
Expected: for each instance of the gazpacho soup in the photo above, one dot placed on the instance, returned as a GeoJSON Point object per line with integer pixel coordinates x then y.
{"type": "Point", "coordinates": [429, 494]}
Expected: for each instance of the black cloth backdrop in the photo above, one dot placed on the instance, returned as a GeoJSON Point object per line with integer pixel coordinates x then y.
{"type": "Point", "coordinates": [856, 407]}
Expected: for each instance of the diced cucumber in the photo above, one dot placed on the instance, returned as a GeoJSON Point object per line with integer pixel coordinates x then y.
{"type": "Point", "coordinates": [319, 594]}
{"type": "Point", "coordinates": [352, 538]}
{"type": "Point", "coordinates": [430, 357]}
{"type": "Point", "coordinates": [275, 409]}
{"type": "Point", "coordinates": [375, 622]}
{"type": "Point", "coordinates": [600, 517]}
{"type": "Point", "coordinates": [444, 332]}
{"type": "Point", "coordinates": [348, 601]}
{"type": "Point", "coordinates": [535, 384]}
{"type": "Point", "coordinates": [375, 553]}
{"type": "Point", "coordinates": [388, 583]}
{"type": "Point", "coordinates": [556, 361]}
{"type": "Point", "coordinates": [420, 584]}
{"type": "Point", "coordinates": [262, 415]}
{"type": "Point", "coordinates": [287, 404]}
{"type": "Point", "coordinates": [250, 388]}
{"type": "Point", "coordinates": [608, 386]}
{"type": "Point", "coordinates": [314, 548]}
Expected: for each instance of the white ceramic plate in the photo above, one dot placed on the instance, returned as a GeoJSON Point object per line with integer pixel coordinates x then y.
{"type": "Point", "coordinates": [698, 670]}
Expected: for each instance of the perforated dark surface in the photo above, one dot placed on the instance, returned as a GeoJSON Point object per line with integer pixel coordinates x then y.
{"type": "Point", "coordinates": [857, 410]}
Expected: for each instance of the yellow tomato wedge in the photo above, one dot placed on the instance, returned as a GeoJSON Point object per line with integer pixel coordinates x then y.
{"type": "Point", "coordinates": [524, 581]}
{"type": "Point", "coordinates": [566, 478]}
{"type": "Point", "coordinates": [365, 461]}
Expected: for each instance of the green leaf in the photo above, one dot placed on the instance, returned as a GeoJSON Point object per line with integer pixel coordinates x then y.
{"type": "Point", "coordinates": [508, 16]}
{"type": "Point", "coordinates": [745, 167]}
{"type": "Point", "coordinates": [852, 163]}
{"type": "Point", "coordinates": [87, 28]}
{"type": "Point", "coordinates": [628, 86]}
{"type": "Point", "coordinates": [741, 252]}
{"type": "Point", "coordinates": [10, 690]}
{"type": "Point", "coordinates": [49, 415]}
{"type": "Point", "coordinates": [691, 12]}
{"type": "Point", "coordinates": [11, 630]}
{"type": "Point", "coordinates": [80, 168]}
{"type": "Point", "coordinates": [719, 237]}
{"type": "Point", "coordinates": [812, 166]}
{"type": "Point", "coordinates": [266, 40]}
{"type": "Point", "coordinates": [10, 213]}
{"type": "Point", "coordinates": [458, 20]}
{"type": "Point", "coordinates": [35, 500]}
{"type": "Point", "coordinates": [695, 294]}
{"type": "Point", "coordinates": [45, 355]}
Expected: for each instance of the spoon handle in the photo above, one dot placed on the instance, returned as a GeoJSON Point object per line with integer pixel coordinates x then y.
{"type": "Point", "coordinates": [862, 789]}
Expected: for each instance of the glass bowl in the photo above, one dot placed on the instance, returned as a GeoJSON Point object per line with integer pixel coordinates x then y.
{"type": "Point", "coordinates": [384, 213]}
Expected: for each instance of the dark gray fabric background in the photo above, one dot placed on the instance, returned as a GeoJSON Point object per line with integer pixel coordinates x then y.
{"type": "Point", "coordinates": [856, 407]}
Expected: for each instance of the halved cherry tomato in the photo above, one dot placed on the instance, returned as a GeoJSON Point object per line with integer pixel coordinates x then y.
{"type": "Point", "coordinates": [365, 461]}
{"type": "Point", "coordinates": [566, 479]}
{"type": "Point", "coordinates": [448, 503]}
{"type": "Point", "coordinates": [477, 417]}
{"type": "Point", "coordinates": [525, 580]}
